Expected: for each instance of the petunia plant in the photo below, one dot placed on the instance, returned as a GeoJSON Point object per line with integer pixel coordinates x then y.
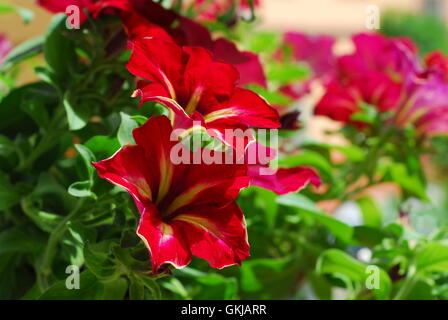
{"type": "Point", "coordinates": [166, 151]}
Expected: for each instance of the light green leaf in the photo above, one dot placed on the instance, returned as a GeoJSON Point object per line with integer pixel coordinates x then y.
{"type": "Point", "coordinates": [339, 264]}
{"type": "Point", "coordinates": [433, 258]}
{"type": "Point", "coordinates": [77, 117]}
{"type": "Point", "coordinates": [124, 134]}
{"type": "Point", "coordinates": [81, 189]}
{"type": "Point", "coordinates": [308, 209]}
{"type": "Point", "coordinates": [370, 212]}
{"type": "Point", "coordinates": [308, 158]}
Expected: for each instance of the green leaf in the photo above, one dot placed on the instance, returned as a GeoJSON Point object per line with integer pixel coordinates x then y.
{"type": "Point", "coordinates": [285, 73]}
{"type": "Point", "coordinates": [370, 212]}
{"type": "Point", "coordinates": [26, 14]}
{"type": "Point", "coordinates": [308, 158]}
{"type": "Point", "coordinates": [216, 287]}
{"type": "Point", "coordinates": [136, 289]}
{"type": "Point", "coordinates": [176, 287]}
{"type": "Point", "coordinates": [124, 134]}
{"type": "Point", "coordinates": [37, 111]}
{"type": "Point", "coordinates": [341, 265]}
{"type": "Point", "coordinates": [77, 117]}
{"type": "Point", "coordinates": [407, 181]}
{"type": "Point", "coordinates": [265, 199]}
{"type": "Point", "coordinates": [100, 262]}
{"type": "Point", "coordinates": [115, 290]}
{"type": "Point", "coordinates": [268, 278]}
{"type": "Point", "coordinates": [433, 258]}
{"type": "Point", "coordinates": [12, 116]}
{"type": "Point", "coordinates": [59, 50]}
{"type": "Point", "coordinates": [102, 146]}
{"type": "Point", "coordinates": [7, 147]}
{"type": "Point", "coordinates": [24, 51]}
{"type": "Point", "coordinates": [88, 157]}
{"type": "Point", "coordinates": [8, 196]}
{"type": "Point", "coordinates": [273, 97]}
{"type": "Point", "coordinates": [352, 152]}
{"type": "Point", "coordinates": [307, 208]}
{"type": "Point", "coordinates": [263, 42]}
{"type": "Point", "coordinates": [90, 289]}
{"type": "Point", "coordinates": [152, 287]}
{"type": "Point", "coordinates": [44, 220]}
{"type": "Point", "coordinates": [81, 189]}
{"type": "Point", "coordinates": [17, 240]}
{"type": "Point", "coordinates": [370, 236]}
{"type": "Point", "coordinates": [367, 114]}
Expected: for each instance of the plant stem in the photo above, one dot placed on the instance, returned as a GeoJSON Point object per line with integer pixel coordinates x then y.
{"type": "Point", "coordinates": [47, 141]}
{"type": "Point", "coordinates": [408, 284]}
{"type": "Point", "coordinates": [58, 232]}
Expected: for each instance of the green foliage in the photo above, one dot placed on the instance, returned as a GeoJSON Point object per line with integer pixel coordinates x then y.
{"type": "Point", "coordinates": [428, 32]}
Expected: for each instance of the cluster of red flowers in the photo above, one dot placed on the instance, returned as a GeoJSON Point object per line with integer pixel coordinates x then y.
{"type": "Point", "coordinates": [387, 74]}
{"type": "Point", "coordinates": [189, 209]}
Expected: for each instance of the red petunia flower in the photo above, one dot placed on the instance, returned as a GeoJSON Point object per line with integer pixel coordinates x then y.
{"type": "Point", "coordinates": [145, 18]}
{"type": "Point", "coordinates": [342, 100]}
{"type": "Point", "coordinates": [186, 209]}
{"type": "Point", "coordinates": [146, 15]}
{"type": "Point", "coordinates": [191, 83]}
{"type": "Point", "coordinates": [398, 58]}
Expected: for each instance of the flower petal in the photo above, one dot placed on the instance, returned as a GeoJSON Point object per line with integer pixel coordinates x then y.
{"type": "Point", "coordinates": [216, 235]}
{"type": "Point", "coordinates": [158, 61]}
{"type": "Point", "coordinates": [166, 242]}
{"type": "Point", "coordinates": [128, 169]}
{"type": "Point", "coordinates": [244, 107]}
{"type": "Point", "coordinates": [283, 180]}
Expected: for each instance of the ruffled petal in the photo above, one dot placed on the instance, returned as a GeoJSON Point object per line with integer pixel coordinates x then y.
{"type": "Point", "coordinates": [217, 235]}
{"type": "Point", "coordinates": [283, 180]}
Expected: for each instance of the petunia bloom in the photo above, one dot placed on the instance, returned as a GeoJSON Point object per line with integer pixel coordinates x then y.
{"type": "Point", "coordinates": [190, 82]}
{"type": "Point", "coordinates": [145, 16]}
{"type": "Point", "coordinates": [185, 209]}
{"type": "Point", "coordinates": [344, 99]}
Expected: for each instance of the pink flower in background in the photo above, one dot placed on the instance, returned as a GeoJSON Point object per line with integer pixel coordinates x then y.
{"type": "Point", "coordinates": [315, 50]}
{"type": "Point", "coordinates": [397, 57]}
{"type": "Point", "coordinates": [425, 105]}
{"type": "Point", "coordinates": [5, 48]}
{"type": "Point", "coordinates": [342, 99]}
{"type": "Point", "coordinates": [437, 63]}
{"type": "Point", "coordinates": [211, 10]}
